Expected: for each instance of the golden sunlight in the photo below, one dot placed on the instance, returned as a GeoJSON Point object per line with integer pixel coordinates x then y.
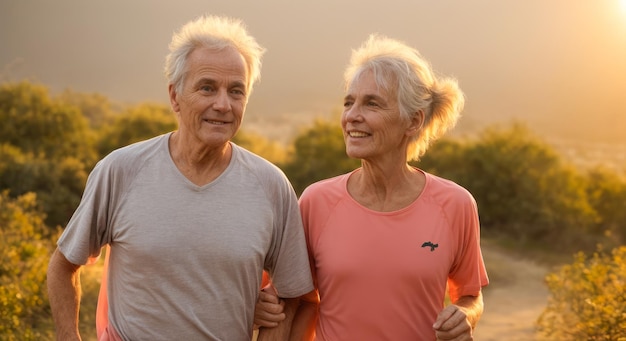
{"type": "Point", "coordinates": [622, 5]}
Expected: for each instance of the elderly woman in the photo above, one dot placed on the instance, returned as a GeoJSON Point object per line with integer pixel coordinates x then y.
{"type": "Point", "coordinates": [386, 239]}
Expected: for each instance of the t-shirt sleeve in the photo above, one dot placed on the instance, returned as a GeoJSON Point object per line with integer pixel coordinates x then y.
{"type": "Point", "coordinates": [468, 274]}
{"type": "Point", "coordinates": [86, 232]}
{"type": "Point", "coordinates": [289, 264]}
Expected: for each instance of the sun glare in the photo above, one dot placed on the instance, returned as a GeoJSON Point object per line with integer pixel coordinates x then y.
{"type": "Point", "coordinates": [622, 5]}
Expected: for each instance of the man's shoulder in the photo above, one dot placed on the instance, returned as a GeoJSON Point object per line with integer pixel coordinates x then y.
{"type": "Point", "coordinates": [139, 148]}
{"type": "Point", "coordinates": [256, 163]}
{"type": "Point", "coordinates": [132, 156]}
{"type": "Point", "coordinates": [265, 175]}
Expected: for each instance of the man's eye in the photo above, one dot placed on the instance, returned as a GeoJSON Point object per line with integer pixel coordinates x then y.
{"type": "Point", "coordinates": [347, 104]}
{"type": "Point", "coordinates": [205, 88]}
{"type": "Point", "coordinates": [372, 104]}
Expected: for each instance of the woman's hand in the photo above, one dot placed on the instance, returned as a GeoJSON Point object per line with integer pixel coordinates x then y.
{"type": "Point", "coordinates": [268, 311]}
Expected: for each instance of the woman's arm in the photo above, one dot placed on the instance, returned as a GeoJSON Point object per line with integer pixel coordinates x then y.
{"type": "Point", "coordinates": [299, 322]}
{"type": "Point", "coordinates": [458, 320]}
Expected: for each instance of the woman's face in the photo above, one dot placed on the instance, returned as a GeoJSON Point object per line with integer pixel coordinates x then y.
{"type": "Point", "coordinates": [373, 129]}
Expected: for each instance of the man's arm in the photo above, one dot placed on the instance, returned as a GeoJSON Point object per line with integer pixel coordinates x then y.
{"type": "Point", "coordinates": [458, 320]}
{"type": "Point", "coordinates": [64, 294]}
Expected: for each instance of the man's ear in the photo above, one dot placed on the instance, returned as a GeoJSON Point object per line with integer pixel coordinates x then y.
{"type": "Point", "coordinates": [416, 124]}
{"type": "Point", "coordinates": [171, 89]}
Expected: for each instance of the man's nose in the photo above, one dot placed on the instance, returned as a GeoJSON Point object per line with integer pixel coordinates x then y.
{"type": "Point", "coordinates": [222, 101]}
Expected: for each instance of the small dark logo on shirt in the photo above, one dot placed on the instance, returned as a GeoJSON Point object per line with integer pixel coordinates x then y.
{"type": "Point", "coordinates": [432, 246]}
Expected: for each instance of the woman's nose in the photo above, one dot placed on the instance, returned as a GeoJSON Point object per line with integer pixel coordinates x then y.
{"type": "Point", "coordinates": [353, 113]}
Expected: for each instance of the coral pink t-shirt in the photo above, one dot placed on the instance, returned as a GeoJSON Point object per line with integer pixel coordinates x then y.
{"type": "Point", "coordinates": [383, 275]}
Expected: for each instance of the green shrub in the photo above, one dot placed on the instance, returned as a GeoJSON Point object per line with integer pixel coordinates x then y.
{"type": "Point", "coordinates": [523, 187]}
{"type": "Point", "coordinates": [606, 190]}
{"type": "Point", "coordinates": [58, 183]}
{"type": "Point", "coordinates": [319, 152]}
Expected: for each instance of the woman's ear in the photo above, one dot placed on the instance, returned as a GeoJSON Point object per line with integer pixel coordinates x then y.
{"type": "Point", "coordinates": [416, 123]}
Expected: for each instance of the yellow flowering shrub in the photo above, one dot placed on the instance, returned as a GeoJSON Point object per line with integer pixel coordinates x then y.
{"type": "Point", "coordinates": [587, 299]}
{"type": "Point", "coordinates": [25, 247]}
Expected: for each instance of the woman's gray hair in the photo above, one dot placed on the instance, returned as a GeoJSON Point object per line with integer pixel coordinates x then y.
{"type": "Point", "coordinates": [401, 70]}
{"type": "Point", "coordinates": [216, 33]}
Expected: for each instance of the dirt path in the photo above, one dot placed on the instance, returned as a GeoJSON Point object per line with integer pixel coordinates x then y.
{"type": "Point", "coordinates": [515, 299]}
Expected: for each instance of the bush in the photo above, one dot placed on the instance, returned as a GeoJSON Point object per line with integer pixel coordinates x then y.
{"type": "Point", "coordinates": [606, 190]}
{"type": "Point", "coordinates": [319, 153]}
{"type": "Point", "coordinates": [58, 183]}
{"type": "Point", "coordinates": [135, 124]}
{"type": "Point", "coordinates": [36, 123]}
{"type": "Point", "coordinates": [588, 299]}
{"type": "Point", "coordinates": [25, 247]}
{"type": "Point", "coordinates": [521, 184]}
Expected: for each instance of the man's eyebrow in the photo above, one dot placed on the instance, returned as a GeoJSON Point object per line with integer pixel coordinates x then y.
{"type": "Point", "coordinates": [211, 81]}
{"type": "Point", "coordinates": [238, 84]}
{"type": "Point", "coordinates": [205, 80]}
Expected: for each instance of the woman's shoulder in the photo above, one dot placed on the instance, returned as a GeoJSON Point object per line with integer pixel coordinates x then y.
{"type": "Point", "coordinates": [331, 186]}
{"type": "Point", "coordinates": [442, 188]}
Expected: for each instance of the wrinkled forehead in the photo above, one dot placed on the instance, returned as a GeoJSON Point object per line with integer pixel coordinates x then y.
{"type": "Point", "coordinates": [383, 80]}
{"type": "Point", "coordinates": [226, 59]}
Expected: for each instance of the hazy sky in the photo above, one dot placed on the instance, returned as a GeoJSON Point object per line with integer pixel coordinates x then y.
{"type": "Point", "coordinates": [559, 65]}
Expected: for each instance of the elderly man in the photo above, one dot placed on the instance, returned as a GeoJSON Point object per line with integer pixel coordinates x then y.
{"type": "Point", "coordinates": [192, 219]}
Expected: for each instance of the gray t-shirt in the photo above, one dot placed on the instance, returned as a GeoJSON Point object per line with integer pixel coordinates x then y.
{"type": "Point", "coordinates": [186, 261]}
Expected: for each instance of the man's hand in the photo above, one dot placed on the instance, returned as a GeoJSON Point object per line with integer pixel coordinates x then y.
{"type": "Point", "coordinates": [453, 324]}
{"type": "Point", "coordinates": [269, 309]}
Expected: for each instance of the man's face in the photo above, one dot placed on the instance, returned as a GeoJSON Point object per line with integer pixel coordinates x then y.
{"type": "Point", "coordinates": [213, 99]}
